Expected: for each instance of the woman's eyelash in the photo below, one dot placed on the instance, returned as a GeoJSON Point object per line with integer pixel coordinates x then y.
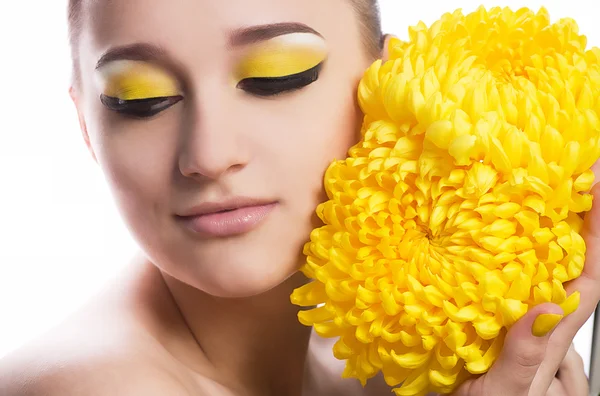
{"type": "Point", "coordinates": [270, 86]}
{"type": "Point", "coordinates": [139, 108]}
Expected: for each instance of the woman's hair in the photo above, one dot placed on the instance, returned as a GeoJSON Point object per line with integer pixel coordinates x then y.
{"type": "Point", "coordinates": [367, 10]}
{"type": "Point", "coordinates": [370, 24]}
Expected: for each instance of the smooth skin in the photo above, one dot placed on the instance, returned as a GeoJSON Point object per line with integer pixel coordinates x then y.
{"type": "Point", "coordinates": [211, 316]}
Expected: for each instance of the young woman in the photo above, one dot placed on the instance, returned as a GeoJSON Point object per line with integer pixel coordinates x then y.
{"type": "Point", "coordinates": [213, 122]}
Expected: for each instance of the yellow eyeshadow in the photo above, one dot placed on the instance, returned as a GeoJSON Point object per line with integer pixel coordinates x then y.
{"type": "Point", "coordinates": [129, 80]}
{"type": "Point", "coordinates": [282, 56]}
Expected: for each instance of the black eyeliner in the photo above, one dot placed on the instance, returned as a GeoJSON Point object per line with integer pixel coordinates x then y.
{"type": "Point", "coordinates": [269, 86]}
{"type": "Point", "coordinates": [141, 108]}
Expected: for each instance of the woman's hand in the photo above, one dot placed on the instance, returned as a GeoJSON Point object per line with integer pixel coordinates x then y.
{"type": "Point", "coordinates": [571, 378]}
{"type": "Point", "coordinates": [531, 365]}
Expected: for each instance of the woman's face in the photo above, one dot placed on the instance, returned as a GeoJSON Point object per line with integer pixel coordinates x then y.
{"type": "Point", "coordinates": [199, 106]}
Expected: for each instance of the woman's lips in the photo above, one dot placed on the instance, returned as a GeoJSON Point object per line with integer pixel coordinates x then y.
{"type": "Point", "coordinates": [228, 222]}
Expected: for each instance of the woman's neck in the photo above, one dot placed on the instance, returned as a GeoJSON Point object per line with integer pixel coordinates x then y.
{"type": "Point", "coordinates": [256, 344]}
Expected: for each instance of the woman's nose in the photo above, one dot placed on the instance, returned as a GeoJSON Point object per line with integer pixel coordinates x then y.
{"type": "Point", "coordinates": [212, 141]}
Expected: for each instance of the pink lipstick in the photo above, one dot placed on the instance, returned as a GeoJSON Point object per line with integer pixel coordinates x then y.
{"type": "Point", "coordinates": [222, 219]}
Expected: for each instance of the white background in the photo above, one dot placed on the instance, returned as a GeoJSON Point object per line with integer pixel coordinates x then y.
{"type": "Point", "coordinates": [60, 236]}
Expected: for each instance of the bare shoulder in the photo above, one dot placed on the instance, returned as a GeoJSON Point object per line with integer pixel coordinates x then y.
{"type": "Point", "coordinates": [94, 375]}
{"type": "Point", "coordinates": [109, 347]}
{"type": "Point", "coordinates": [81, 357]}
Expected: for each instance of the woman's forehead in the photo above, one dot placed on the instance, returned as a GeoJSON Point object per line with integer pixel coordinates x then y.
{"type": "Point", "coordinates": [206, 20]}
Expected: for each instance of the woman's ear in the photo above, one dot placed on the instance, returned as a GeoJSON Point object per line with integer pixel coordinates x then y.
{"type": "Point", "coordinates": [82, 124]}
{"type": "Point", "coordinates": [385, 48]}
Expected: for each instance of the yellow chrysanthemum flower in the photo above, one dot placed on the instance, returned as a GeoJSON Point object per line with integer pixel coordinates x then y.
{"type": "Point", "coordinates": [459, 209]}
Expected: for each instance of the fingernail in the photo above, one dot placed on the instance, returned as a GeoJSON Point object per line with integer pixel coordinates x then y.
{"type": "Point", "coordinates": [545, 323]}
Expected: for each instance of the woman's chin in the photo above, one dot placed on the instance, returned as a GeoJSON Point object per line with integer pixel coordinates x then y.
{"type": "Point", "coordinates": [242, 279]}
{"type": "Point", "coordinates": [240, 267]}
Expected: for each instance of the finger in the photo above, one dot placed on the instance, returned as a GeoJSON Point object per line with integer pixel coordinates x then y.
{"type": "Point", "coordinates": [587, 286]}
{"type": "Point", "coordinates": [596, 169]}
{"type": "Point", "coordinates": [587, 283]}
{"type": "Point", "coordinates": [571, 361]}
{"type": "Point", "coordinates": [571, 374]}
{"type": "Point", "coordinates": [591, 235]}
{"type": "Point", "coordinates": [468, 388]}
{"type": "Point", "coordinates": [557, 389]}
{"type": "Point", "coordinates": [521, 356]}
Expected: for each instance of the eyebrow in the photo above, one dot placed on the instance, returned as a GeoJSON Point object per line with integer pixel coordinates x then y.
{"type": "Point", "coordinates": [136, 52]}
{"type": "Point", "coordinates": [238, 37]}
{"type": "Point", "coordinates": [254, 34]}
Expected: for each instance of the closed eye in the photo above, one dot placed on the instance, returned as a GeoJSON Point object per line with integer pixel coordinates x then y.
{"type": "Point", "coordinates": [271, 86]}
{"type": "Point", "coordinates": [139, 108]}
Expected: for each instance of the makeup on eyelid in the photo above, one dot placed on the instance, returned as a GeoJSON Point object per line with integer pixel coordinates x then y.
{"type": "Point", "coordinates": [282, 56]}
{"type": "Point", "coordinates": [131, 80]}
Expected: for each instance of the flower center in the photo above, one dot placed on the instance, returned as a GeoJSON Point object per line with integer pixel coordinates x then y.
{"type": "Point", "coordinates": [508, 71]}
